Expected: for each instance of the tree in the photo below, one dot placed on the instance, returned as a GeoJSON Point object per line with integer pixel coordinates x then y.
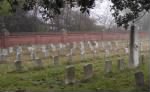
{"type": "Point", "coordinates": [134, 8]}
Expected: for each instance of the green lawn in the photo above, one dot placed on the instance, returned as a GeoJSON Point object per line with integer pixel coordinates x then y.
{"type": "Point", "coordinates": [51, 78]}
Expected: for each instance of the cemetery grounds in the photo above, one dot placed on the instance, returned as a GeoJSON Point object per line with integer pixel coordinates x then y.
{"type": "Point", "coordinates": [51, 76]}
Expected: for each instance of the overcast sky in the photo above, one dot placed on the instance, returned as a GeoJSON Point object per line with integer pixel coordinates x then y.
{"type": "Point", "coordinates": [102, 9]}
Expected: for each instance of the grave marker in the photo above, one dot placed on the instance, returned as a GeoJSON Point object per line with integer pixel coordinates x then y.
{"type": "Point", "coordinates": [82, 50]}
{"type": "Point", "coordinates": [88, 71]}
{"type": "Point", "coordinates": [121, 64]}
{"type": "Point", "coordinates": [70, 75]}
{"type": "Point", "coordinates": [38, 63]}
{"type": "Point", "coordinates": [56, 60]}
{"type": "Point", "coordinates": [18, 65]}
{"type": "Point", "coordinates": [139, 78]}
{"type": "Point", "coordinates": [11, 50]}
{"type": "Point", "coordinates": [108, 66]}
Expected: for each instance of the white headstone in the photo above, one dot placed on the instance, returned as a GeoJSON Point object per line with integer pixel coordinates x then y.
{"type": "Point", "coordinates": [90, 46]}
{"type": "Point", "coordinates": [11, 50]}
{"type": "Point", "coordinates": [126, 50]}
{"type": "Point", "coordinates": [53, 47]}
{"type": "Point", "coordinates": [107, 53]}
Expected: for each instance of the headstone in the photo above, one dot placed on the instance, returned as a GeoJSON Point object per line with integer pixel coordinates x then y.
{"type": "Point", "coordinates": [139, 78]}
{"type": "Point", "coordinates": [110, 45]}
{"type": "Point", "coordinates": [96, 44]}
{"type": "Point", "coordinates": [70, 75]}
{"type": "Point", "coordinates": [88, 71]}
{"type": "Point", "coordinates": [18, 57]}
{"type": "Point", "coordinates": [18, 65]}
{"type": "Point", "coordinates": [56, 60]}
{"type": "Point", "coordinates": [70, 56]}
{"type": "Point", "coordinates": [1, 56]}
{"type": "Point", "coordinates": [38, 63]}
{"type": "Point", "coordinates": [127, 51]}
{"type": "Point", "coordinates": [10, 49]}
{"type": "Point", "coordinates": [45, 50]}
{"type": "Point", "coordinates": [18, 53]}
{"type": "Point", "coordinates": [103, 45]}
{"type": "Point", "coordinates": [33, 55]}
{"type": "Point", "coordinates": [108, 66]}
{"type": "Point", "coordinates": [90, 45]}
{"type": "Point", "coordinates": [53, 47]}
{"type": "Point", "coordinates": [5, 52]}
{"type": "Point", "coordinates": [121, 64]}
{"type": "Point", "coordinates": [74, 45]}
{"type": "Point", "coordinates": [82, 50]}
{"type": "Point", "coordinates": [107, 53]}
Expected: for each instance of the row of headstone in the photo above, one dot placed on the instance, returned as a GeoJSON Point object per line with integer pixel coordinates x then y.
{"type": "Point", "coordinates": [36, 62]}
{"type": "Point", "coordinates": [70, 77]}
{"type": "Point", "coordinates": [93, 45]}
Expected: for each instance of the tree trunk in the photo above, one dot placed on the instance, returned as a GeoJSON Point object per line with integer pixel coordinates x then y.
{"type": "Point", "coordinates": [134, 48]}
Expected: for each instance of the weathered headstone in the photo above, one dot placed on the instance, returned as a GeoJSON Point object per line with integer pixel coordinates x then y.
{"type": "Point", "coordinates": [74, 45]}
{"type": "Point", "coordinates": [18, 65]}
{"type": "Point", "coordinates": [82, 50]}
{"type": "Point", "coordinates": [108, 66]}
{"type": "Point", "coordinates": [121, 64]}
{"type": "Point", "coordinates": [90, 46]}
{"type": "Point", "coordinates": [96, 44]}
{"type": "Point", "coordinates": [110, 45]}
{"type": "Point", "coordinates": [107, 53]}
{"type": "Point", "coordinates": [53, 47]}
{"type": "Point", "coordinates": [18, 57]}
{"type": "Point", "coordinates": [10, 49]}
{"type": "Point", "coordinates": [56, 60]}
{"type": "Point", "coordinates": [18, 53]}
{"type": "Point", "coordinates": [1, 56]}
{"type": "Point", "coordinates": [139, 78]}
{"type": "Point", "coordinates": [45, 50]}
{"type": "Point", "coordinates": [38, 63]}
{"type": "Point", "coordinates": [126, 51]}
{"type": "Point", "coordinates": [103, 45]}
{"type": "Point", "coordinates": [70, 75]}
{"type": "Point", "coordinates": [4, 54]}
{"type": "Point", "coordinates": [88, 71]}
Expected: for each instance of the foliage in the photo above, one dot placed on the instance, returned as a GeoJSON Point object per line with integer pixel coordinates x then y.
{"type": "Point", "coordinates": [133, 10]}
{"type": "Point", "coordinates": [4, 7]}
{"type": "Point", "coordinates": [124, 11]}
{"type": "Point", "coordinates": [22, 23]}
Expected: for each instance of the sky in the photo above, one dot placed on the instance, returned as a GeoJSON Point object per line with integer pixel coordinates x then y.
{"type": "Point", "coordinates": [102, 9]}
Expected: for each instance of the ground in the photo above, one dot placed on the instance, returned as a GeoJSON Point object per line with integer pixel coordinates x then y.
{"type": "Point", "coordinates": [51, 77]}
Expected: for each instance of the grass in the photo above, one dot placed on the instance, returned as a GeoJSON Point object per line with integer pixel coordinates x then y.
{"type": "Point", "coordinates": [51, 77]}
